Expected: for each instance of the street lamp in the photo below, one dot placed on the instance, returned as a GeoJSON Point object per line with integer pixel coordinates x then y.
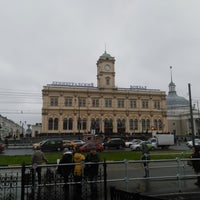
{"type": "Point", "coordinates": [78, 121]}
{"type": "Point", "coordinates": [191, 114]}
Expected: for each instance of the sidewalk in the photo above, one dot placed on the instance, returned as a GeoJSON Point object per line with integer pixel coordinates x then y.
{"type": "Point", "coordinates": [21, 146]}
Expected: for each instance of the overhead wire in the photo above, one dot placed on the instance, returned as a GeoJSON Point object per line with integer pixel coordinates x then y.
{"type": "Point", "coordinates": [19, 97]}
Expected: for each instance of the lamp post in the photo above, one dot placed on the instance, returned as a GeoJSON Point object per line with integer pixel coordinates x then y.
{"type": "Point", "coordinates": [78, 121]}
{"type": "Point", "coordinates": [191, 114]}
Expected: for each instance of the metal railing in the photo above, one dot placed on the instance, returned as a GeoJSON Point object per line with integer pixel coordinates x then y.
{"type": "Point", "coordinates": [21, 182]}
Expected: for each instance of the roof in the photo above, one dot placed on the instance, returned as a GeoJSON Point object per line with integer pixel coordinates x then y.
{"type": "Point", "coordinates": [175, 101]}
{"type": "Point", "coordinates": [106, 56]}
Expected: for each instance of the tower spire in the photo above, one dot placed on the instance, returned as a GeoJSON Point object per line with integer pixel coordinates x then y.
{"type": "Point", "coordinates": [105, 48]}
{"type": "Point", "coordinates": [171, 73]}
{"type": "Point", "coordinates": [172, 86]}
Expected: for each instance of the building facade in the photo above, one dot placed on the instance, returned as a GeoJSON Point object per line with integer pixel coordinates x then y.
{"type": "Point", "coordinates": [178, 113]}
{"type": "Point", "coordinates": [80, 108]}
{"type": "Point", "coordinates": [9, 129]}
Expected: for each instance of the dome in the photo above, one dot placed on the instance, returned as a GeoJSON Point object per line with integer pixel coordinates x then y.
{"type": "Point", "coordinates": [175, 101]}
{"type": "Point", "coordinates": [106, 56]}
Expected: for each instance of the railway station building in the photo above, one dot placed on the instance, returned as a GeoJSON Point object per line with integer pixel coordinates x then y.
{"type": "Point", "coordinates": [85, 108]}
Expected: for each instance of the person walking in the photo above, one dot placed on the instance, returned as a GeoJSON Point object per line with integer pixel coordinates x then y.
{"type": "Point", "coordinates": [66, 170]}
{"type": "Point", "coordinates": [196, 163]}
{"type": "Point", "coordinates": [91, 170]}
{"type": "Point", "coordinates": [145, 157]}
{"type": "Point", "coordinates": [78, 168]}
{"type": "Point", "coordinates": [38, 158]}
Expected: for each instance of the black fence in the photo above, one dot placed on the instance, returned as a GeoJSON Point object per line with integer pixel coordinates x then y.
{"type": "Point", "coordinates": [23, 183]}
{"type": "Point", "coordinates": [117, 194]}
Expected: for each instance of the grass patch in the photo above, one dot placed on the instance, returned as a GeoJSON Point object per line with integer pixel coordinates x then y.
{"type": "Point", "coordinates": [111, 156]}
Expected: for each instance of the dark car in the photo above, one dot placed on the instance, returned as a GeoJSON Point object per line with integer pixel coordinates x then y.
{"type": "Point", "coordinates": [88, 146]}
{"type": "Point", "coordinates": [2, 146]}
{"type": "Point", "coordinates": [52, 145]}
{"type": "Point", "coordinates": [117, 143]}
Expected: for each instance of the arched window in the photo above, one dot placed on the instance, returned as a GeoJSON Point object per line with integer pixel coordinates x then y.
{"type": "Point", "coordinates": [97, 123]}
{"type": "Point", "coordinates": [136, 124]}
{"type": "Point", "coordinates": [50, 124]}
{"type": "Point", "coordinates": [143, 124]}
{"type": "Point", "coordinates": [93, 124]}
{"type": "Point", "coordinates": [159, 124]}
{"type": "Point", "coordinates": [131, 124]}
{"type": "Point", "coordinates": [65, 124]}
{"type": "Point", "coordinates": [70, 123]}
{"type": "Point", "coordinates": [155, 123]}
{"type": "Point", "coordinates": [121, 125]}
{"type": "Point", "coordinates": [148, 124]}
{"type": "Point", "coordinates": [84, 124]}
{"type": "Point", "coordinates": [56, 124]}
{"type": "Point", "coordinates": [108, 126]}
{"type": "Point", "coordinates": [107, 81]}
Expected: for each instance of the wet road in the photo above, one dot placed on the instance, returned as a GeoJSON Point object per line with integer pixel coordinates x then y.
{"type": "Point", "coordinates": [27, 150]}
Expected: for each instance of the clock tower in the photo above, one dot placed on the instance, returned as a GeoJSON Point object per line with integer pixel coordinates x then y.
{"type": "Point", "coordinates": [106, 72]}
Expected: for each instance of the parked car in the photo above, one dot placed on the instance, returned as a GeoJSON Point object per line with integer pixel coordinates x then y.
{"type": "Point", "coordinates": [79, 142]}
{"type": "Point", "coordinates": [69, 144]}
{"type": "Point", "coordinates": [138, 146]}
{"type": "Point", "coordinates": [114, 143]}
{"type": "Point", "coordinates": [52, 145]}
{"type": "Point", "coordinates": [129, 143]}
{"type": "Point", "coordinates": [2, 146]}
{"type": "Point", "coordinates": [190, 143]}
{"type": "Point", "coordinates": [88, 146]}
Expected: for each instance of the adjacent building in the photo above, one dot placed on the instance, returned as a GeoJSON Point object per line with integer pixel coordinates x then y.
{"type": "Point", "coordinates": [178, 113]}
{"type": "Point", "coordinates": [84, 108]}
{"type": "Point", "coordinates": [8, 128]}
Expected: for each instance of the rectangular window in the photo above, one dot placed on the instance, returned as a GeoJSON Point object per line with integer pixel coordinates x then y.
{"type": "Point", "coordinates": [145, 104]}
{"type": "Point", "coordinates": [68, 101]}
{"type": "Point", "coordinates": [108, 103]}
{"type": "Point", "coordinates": [120, 103]}
{"type": "Point", "coordinates": [82, 102]}
{"type": "Point", "coordinates": [157, 105]}
{"type": "Point", "coordinates": [54, 101]}
{"type": "Point", "coordinates": [95, 102]}
{"type": "Point", "coordinates": [133, 103]}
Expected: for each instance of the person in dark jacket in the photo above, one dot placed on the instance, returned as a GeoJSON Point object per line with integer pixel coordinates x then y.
{"type": "Point", "coordinates": [145, 157]}
{"type": "Point", "coordinates": [91, 170]}
{"type": "Point", "coordinates": [196, 163]}
{"type": "Point", "coordinates": [38, 158]}
{"type": "Point", "coordinates": [66, 170]}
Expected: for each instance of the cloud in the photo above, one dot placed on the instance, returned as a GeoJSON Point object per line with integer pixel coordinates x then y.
{"type": "Point", "coordinates": [45, 41]}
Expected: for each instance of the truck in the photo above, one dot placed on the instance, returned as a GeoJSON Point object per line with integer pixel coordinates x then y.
{"type": "Point", "coordinates": [161, 140]}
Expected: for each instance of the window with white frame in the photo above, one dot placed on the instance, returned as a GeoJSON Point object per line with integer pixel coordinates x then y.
{"type": "Point", "coordinates": [54, 101]}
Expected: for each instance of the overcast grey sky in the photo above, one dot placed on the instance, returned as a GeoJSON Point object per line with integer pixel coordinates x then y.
{"type": "Point", "coordinates": [60, 40]}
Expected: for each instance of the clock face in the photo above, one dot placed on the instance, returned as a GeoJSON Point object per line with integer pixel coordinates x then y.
{"type": "Point", "coordinates": [107, 67]}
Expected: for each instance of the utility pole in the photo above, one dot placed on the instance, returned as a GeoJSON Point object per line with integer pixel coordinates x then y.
{"type": "Point", "coordinates": [191, 115]}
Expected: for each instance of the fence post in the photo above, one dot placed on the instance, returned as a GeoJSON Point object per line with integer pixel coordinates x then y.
{"type": "Point", "coordinates": [23, 181]}
{"type": "Point", "coordinates": [105, 179]}
{"type": "Point", "coordinates": [126, 173]}
{"type": "Point", "coordinates": [178, 173]}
